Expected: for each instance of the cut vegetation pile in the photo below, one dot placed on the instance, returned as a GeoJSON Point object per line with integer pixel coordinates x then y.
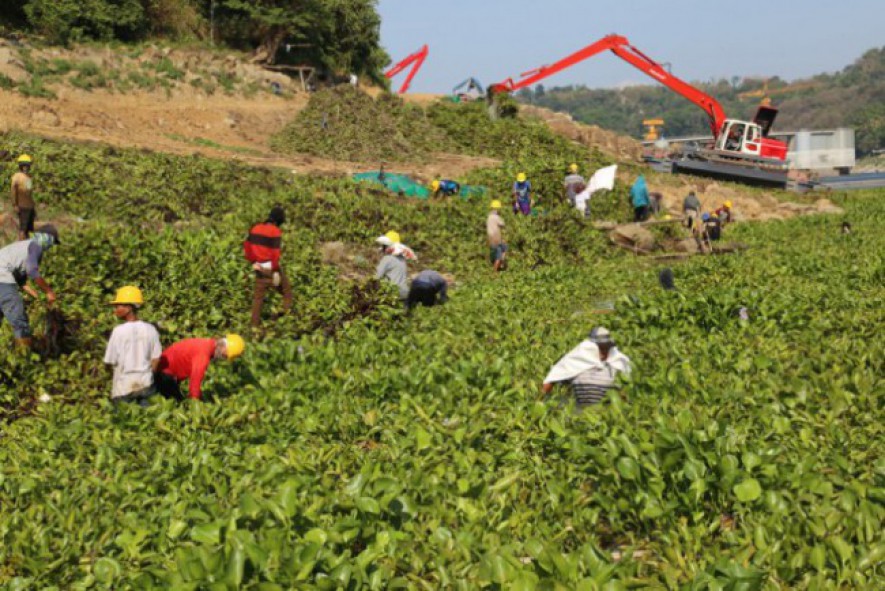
{"type": "Point", "coordinates": [347, 124]}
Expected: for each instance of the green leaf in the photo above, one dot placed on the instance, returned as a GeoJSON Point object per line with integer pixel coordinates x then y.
{"type": "Point", "coordinates": [748, 490]}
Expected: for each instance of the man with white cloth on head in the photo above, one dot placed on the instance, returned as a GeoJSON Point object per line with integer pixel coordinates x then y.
{"type": "Point", "coordinates": [591, 368]}
{"type": "Point", "coordinates": [602, 179]}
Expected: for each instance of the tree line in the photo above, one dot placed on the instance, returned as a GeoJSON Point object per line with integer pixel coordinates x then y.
{"type": "Point", "coordinates": [338, 35]}
{"type": "Point", "coordinates": [853, 97]}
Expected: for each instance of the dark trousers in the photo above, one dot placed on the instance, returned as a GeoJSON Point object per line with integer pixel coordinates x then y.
{"type": "Point", "coordinates": [640, 214]}
{"type": "Point", "coordinates": [263, 284]}
{"type": "Point", "coordinates": [26, 219]}
{"type": "Point", "coordinates": [167, 386]}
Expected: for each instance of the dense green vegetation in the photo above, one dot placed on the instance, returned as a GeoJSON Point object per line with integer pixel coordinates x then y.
{"type": "Point", "coordinates": [340, 37]}
{"type": "Point", "coordinates": [853, 97]}
{"type": "Point", "coordinates": [353, 447]}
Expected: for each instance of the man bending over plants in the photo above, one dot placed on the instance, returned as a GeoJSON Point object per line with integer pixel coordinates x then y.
{"type": "Point", "coordinates": [429, 288]}
{"type": "Point", "coordinates": [133, 350]}
{"type": "Point", "coordinates": [19, 263]}
{"type": "Point", "coordinates": [263, 248]}
{"type": "Point", "coordinates": [189, 359]}
{"type": "Point", "coordinates": [591, 368]}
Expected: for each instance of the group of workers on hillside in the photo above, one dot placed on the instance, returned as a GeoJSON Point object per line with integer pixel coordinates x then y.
{"type": "Point", "coordinates": [142, 368]}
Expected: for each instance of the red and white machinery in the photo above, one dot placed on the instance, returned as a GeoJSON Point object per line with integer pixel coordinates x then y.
{"type": "Point", "coordinates": [737, 142]}
{"type": "Point", "coordinates": [416, 60]}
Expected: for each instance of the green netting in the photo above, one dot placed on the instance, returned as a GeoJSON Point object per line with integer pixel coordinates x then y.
{"type": "Point", "coordinates": [399, 183]}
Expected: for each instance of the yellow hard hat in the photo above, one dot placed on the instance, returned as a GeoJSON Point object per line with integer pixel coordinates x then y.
{"type": "Point", "coordinates": [573, 167]}
{"type": "Point", "coordinates": [128, 295]}
{"type": "Point", "coordinates": [393, 237]}
{"type": "Point", "coordinates": [435, 185]}
{"type": "Point", "coordinates": [496, 204]}
{"type": "Point", "coordinates": [25, 159]}
{"type": "Point", "coordinates": [668, 217]}
{"type": "Point", "coordinates": [235, 346]}
{"type": "Point", "coordinates": [520, 178]}
{"type": "Point", "coordinates": [728, 204]}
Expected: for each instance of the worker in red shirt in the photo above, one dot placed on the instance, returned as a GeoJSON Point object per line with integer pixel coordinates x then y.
{"type": "Point", "coordinates": [189, 359]}
{"type": "Point", "coordinates": [262, 248]}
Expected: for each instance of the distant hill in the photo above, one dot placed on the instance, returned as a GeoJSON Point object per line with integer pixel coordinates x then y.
{"type": "Point", "coordinates": [854, 97]}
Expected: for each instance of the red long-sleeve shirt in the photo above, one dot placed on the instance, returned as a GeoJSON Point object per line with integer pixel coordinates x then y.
{"type": "Point", "coordinates": [188, 360]}
{"type": "Point", "coordinates": [263, 245]}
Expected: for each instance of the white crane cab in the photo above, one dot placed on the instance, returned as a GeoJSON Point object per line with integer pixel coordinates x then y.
{"type": "Point", "coordinates": [750, 138]}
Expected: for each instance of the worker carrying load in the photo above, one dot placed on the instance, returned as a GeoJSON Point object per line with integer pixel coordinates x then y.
{"type": "Point", "coordinates": [392, 266]}
{"type": "Point", "coordinates": [494, 228]}
{"type": "Point", "coordinates": [691, 209]}
{"type": "Point", "coordinates": [189, 359]}
{"type": "Point", "coordinates": [263, 248]}
{"type": "Point", "coordinates": [522, 195]}
{"type": "Point", "coordinates": [573, 184]}
{"type": "Point", "coordinates": [591, 368]}
{"type": "Point", "coordinates": [133, 350]}
{"type": "Point", "coordinates": [429, 288]}
{"type": "Point", "coordinates": [23, 197]}
{"type": "Point", "coordinates": [445, 188]}
{"type": "Point", "coordinates": [602, 180]}
{"type": "Point", "coordinates": [19, 264]}
{"type": "Point", "coordinates": [724, 213]}
{"type": "Point", "coordinates": [640, 199]}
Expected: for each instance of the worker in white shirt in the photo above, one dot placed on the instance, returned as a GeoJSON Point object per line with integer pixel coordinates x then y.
{"type": "Point", "coordinates": [133, 350]}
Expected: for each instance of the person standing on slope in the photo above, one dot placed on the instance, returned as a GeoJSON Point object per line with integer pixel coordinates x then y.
{"type": "Point", "coordinates": [522, 195]}
{"type": "Point", "coordinates": [640, 199]}
{"type": "Point", "coordinates": [573, 184]}
{"type": "Point", "coordinates": [591, 369]}
{"type": "Point", "coordinates": [23, 197]}
{"type": "Point", "coordinates": [133, 350]}
{"type": "Point", "coordinates": [691, 209]}
{"type": "Point", "coordinates": [19, 263]}
{"type": "Point", "coordinates": [263, 248]}
{"type": "Point", "coordinates": [494, 229]}
{"type": "Point", "coordinates": [189, 359]}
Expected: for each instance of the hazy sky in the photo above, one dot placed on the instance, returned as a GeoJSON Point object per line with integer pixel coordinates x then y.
{"type": "Point", "coordinates": [702, 39]}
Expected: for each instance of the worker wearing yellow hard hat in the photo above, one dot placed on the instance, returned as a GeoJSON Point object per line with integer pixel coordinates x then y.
{"type": "Point", "coordinates": [23, 196]}
{"type": "Point", "coordinates": [189, 359]}
{"type": "Point", "coordinates": [133, 350]}
{"type": "Point", "coordinates": [522, 195]}
{"type": "Point", "coordinates": [445, 187]}
{"type": "Point", "coordinates": [724, 213]}
{"type": "Point", "coordinates": [573, 184]}
{"type": "Point", "coordinates": [494, 230]}
{"type": "Point", "coordinates": [393, 265]}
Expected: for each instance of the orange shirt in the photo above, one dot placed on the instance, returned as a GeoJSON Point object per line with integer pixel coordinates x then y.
{"type": "Point", "coordinates": [188, 360]}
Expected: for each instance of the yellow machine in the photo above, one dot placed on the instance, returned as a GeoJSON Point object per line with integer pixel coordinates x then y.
{"type": "Point", "coordinates": [652, 128]}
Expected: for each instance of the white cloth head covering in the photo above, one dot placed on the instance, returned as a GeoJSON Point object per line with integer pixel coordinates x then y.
{"type": "Point", "coordinates": [583, 357]}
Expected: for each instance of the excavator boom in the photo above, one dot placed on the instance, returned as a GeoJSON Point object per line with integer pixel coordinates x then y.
{"type": "Point", "coordinates": [416, 60]}
{"type": "Point", "coordinates": [621, 47]}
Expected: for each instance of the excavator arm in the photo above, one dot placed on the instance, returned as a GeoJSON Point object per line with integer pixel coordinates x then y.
{"type": "Point", "coordinates": [621, 47]}
{"type": "Point", "coordinates": [416, 60]}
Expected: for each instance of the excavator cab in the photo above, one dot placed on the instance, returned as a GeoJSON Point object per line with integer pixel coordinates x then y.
{"type": "Point", "coordinates": [743, 137]}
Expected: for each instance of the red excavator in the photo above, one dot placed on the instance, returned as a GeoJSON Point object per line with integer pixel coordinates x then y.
{"type": "Point", "coordinates": [737, 142]}
{"type": "Point", "coordinates": [416, 60]}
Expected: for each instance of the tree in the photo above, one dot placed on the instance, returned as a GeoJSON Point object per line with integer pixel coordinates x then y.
{"type": "Point", "coordinates": [343, 35]}
{"type": "Point", "coordinates": [63, 21]}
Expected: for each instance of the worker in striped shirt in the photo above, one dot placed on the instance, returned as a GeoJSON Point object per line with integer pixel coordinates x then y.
{"type": "Point", "coordinates": [591, 368]}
